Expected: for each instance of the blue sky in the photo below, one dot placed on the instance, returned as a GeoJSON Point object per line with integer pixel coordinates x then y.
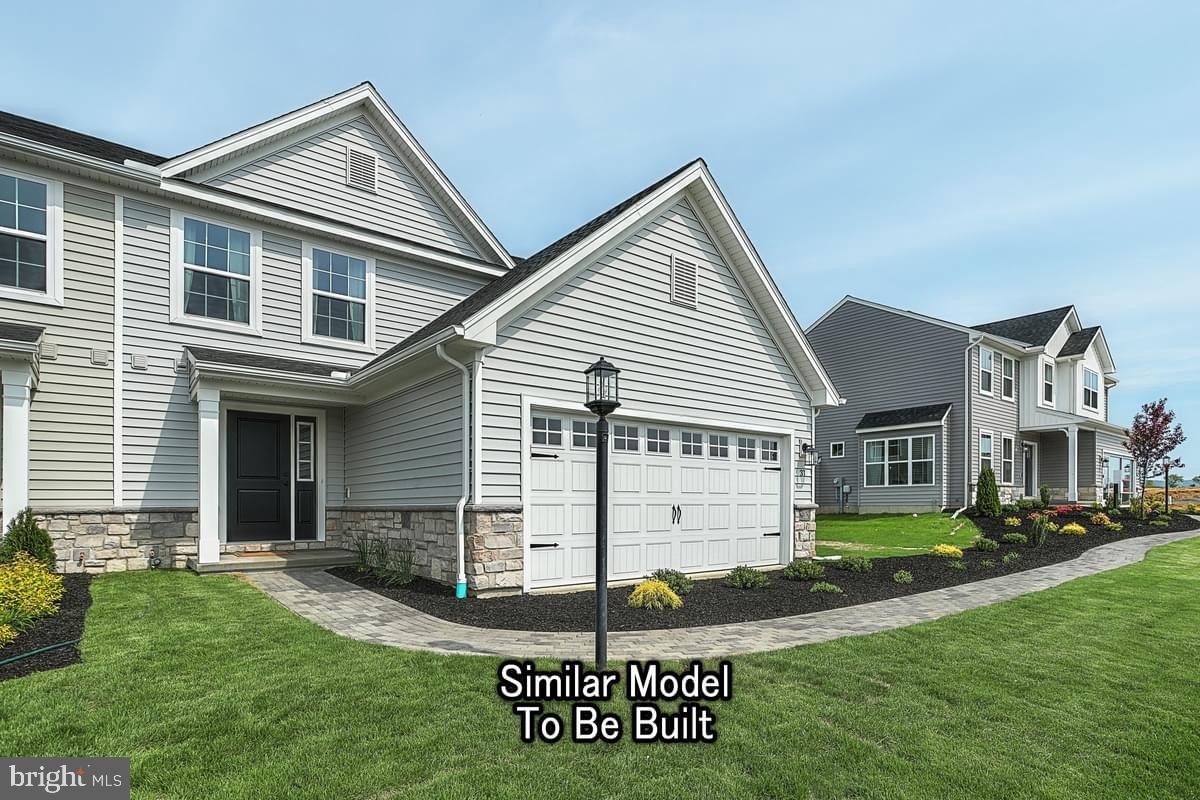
{"type": "Point", "coordinates": [969, 160]}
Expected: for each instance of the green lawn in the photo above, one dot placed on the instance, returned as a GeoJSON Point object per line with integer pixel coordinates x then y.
{"type": "Point", "coordinates": [884, 535]}
{"type": "Point", "coordinates": [1088, 690]}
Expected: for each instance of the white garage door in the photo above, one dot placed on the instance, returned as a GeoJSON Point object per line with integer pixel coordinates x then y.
{"type": "Point", "coordinates": [687, 498]}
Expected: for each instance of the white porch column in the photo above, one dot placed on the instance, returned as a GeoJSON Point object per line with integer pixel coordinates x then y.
{"type": "Point", "coordinates": [17, 383]}
{"type": "Point", "coordinates": [1073, 464]}
{"type": "Point", "coordinates": [209, 402]}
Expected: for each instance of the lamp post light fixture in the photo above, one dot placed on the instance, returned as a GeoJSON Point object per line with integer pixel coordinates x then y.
{"type": "Point", "coordinates": [603, 398]}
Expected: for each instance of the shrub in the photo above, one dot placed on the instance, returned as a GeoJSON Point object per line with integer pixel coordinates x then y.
{"type": "Point", "coordinates": [654, 594]}
{"type": "Point", "coordinates": [392, 564]}
{"type": "Point", "coordinates": [1029, 504]}
{"type": "Point", "coordinates": [1052, 527]}
{"type": "Point", "coordinates": [1160, 523]}
{"type": "Point", "coordinates": [1114, 527]}
{"type": "Point", "coordinates": [743, 577]}
{"type": "Point", "coordinates": [946, 551]}
{"type": "Point", "coordinates": [825, 587]}
{"type": "Point", "coordinates": [1072, 529]}
{"type": "Point", "coordinates": [1014, 538]}
{"type": "Point", "coordinates": [1044, 495]}
{"type": "Point", "coordinates": [26, 536]}
{"type": "Point", "coordinates": [28, 588]}
{"type": "Point", "coordinates": [987, 563]}
{"type": "Point", "coordinates": [803, 569]}
{"type": "Point", "coordinates": [1009, 508]}
{"type": "Point", "coordinates": [679, 583]}
{"type": "Point", "coordinates": [1010, 557]}
{"type": "Point", "coordinates": [1037, 534]}
{"type": "Point", "coordinates": [855, 564]}
{"type": "Point", "coordinates": [958, 565]}
{"type": "Point", "coordinates": [902, 576]}
{"type": "Point", "coordinates": [985, 545]}
{"type": "Point", "coordinates": [987, 494]}
{"type": "Point", "coordinates": [361, 545]}
{"type": "Point", "coordinates": [1012, 522]}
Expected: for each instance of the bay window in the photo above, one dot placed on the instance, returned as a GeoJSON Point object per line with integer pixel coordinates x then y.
{"type": "Point", "coordinates": [902, 461]}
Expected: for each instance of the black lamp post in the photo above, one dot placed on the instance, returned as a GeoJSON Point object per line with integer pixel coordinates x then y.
{"type": "Point", "coordinates": [602, 400]}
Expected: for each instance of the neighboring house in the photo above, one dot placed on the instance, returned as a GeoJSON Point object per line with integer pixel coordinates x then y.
{"type": "Point", "coordinates": [929, 402]}
{"type": "Point", "coordinates": [302, 333]}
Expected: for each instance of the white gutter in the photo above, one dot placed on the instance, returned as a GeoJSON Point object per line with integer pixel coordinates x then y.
{"type": "Point", "coordinates": [460, 587]}
{"type": "Point", "coordinates": [971, 342]}
{"type": "Point", "coordinates": [142, 173]}
{"type": "Point", "coordinates": [380, 364]}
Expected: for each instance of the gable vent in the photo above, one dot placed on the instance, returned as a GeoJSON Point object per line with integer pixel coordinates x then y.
{"type": "Point", "coordinates": [360, 169]}
{"type": "Point", "coordinates": [683, 281]}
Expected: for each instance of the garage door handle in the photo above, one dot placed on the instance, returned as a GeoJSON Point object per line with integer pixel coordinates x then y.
{"type": "Point", "coordinates": [543, 455]}
{"type": "Point", "coordinates": [540, 545]}
{"type": "Point", "coordinates": [776, 533]}
{"type": "Point", "coordinates": [676, 514]}
{"type": "Point", "coordinates": [768, 469]}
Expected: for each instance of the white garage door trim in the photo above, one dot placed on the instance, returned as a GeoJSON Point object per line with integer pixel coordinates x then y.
{"type": "Point", "coordinates": [787, 437]}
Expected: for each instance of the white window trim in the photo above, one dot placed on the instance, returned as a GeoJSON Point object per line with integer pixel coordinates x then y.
{"type": "Point", "coordinates": [1012, 398]}
{"type": "Point", "coordinates": [306, 310]}
{"type": "Point", "coordinates": [54, 294]}
{"type": "Point", "coordinates": [762, 451]}
{"type": "Point", "coordinates": [178, 317]}
{"type": "Point", "coordinates": [1041, 397]}
{"type": "Point", "coordinates": [1084, 390]}
{"type": "Point", "coordinates": [737, 450]}
{"type": "Point", "coordinates": [886, 483]}
{"type": "Point", "coordinates": [562, 431]}
{"type": "Point", "coordinates": [991, 456]}
{"type": "Point", "coordinates": [703, 444]}
{"type": "Point", "coordinates": [586, 448]}
{"type": "Point", "coordinates": [612, 437]}
{"type": "Point", "coordinates": [843, 444]}
{"type": "Point", "coordinates": [989, 392]}
{"type": "Point", "coordinates": [730, 446]}
{"type": "Point", "coordinates": [658, 453]}
{"type": "Point", "coordinates": [1004, 437]}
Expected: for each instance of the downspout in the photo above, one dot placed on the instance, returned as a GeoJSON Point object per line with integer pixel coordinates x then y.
{"type": "Point", "coordinates": [460, 587]}
{"type": "Point", "coordinates": [971, 342]}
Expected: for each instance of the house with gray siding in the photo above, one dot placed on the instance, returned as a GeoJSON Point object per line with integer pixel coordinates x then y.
{"type": "Point", "coordinates": [302, 334]}
{"type": "Point", "coordinates": [929, 402]}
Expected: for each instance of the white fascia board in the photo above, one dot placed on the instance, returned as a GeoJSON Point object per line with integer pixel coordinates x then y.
{"type": "Point", "coordinates": [1105, 353]}
{"type": "Point", "coordinates": [551, 274]}
{"type": "Point", "coordinates": [139, 174]}
{"type": "Point", "coordinates": [375, 368]}
{"type": "Point", "coordinates": [278, 386]}
{"type": "Point", "coordinates": [365, 95]}
{"type": "Point", "coordinates": [22, 351]}
{"type": "Point", "coordinates": [306, 224]}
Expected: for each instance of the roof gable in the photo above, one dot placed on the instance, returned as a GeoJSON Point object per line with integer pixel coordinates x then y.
{"type": "Point", "coordinates": [478, 315]}
{"type": "Point", "coordinates": [232, 152]}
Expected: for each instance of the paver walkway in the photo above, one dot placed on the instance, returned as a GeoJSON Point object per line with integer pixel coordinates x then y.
{"type": "Point", "coordinates": [361, 614]}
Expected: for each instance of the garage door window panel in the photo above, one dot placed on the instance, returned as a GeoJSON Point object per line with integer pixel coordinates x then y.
{"type": "Point", "coordinates": [691, 444]}
{"type": "Point", "coordinates": [547, 431]}
{"type": "Point", "coordinates": [626, 438]}
{"type": "Point", "coordinates": [770, 451]}
{"type": "Point", "coordinates": [658, 441]}
{"type": "Point", "coordinates": [718, 445]}
{"type": "Point", "coordinates": [583, 435]}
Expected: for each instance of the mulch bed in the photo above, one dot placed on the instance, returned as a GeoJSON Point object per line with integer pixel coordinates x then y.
{"type": "Point", "coordinates": [65, 626]}
{"type": "Point", "coordinates": [712, 602]}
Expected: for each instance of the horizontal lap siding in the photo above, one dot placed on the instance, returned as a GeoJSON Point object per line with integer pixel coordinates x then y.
{"type": "Point", "coordinates": [1053, 460]}
{"type": "Point", "coordinates": [311, 176]}
{"type": "Point", "coordinates": [715, 362]}
{"type": "Point", "coordinates": [407, 449]}
{"type": "Point", "coordinates": [71, 420]}
{"type": "Point", "coordinates": [882, 361]}
{"type": "Point", "coordinates": [159, 415]}
{"type": "Point", "coordinates": [893, 497]}
{"type": "Point", "coordinates": [997, 415]}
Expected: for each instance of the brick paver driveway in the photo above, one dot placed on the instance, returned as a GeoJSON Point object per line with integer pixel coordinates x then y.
{"type": "Point", "coordinates": [361, 614]}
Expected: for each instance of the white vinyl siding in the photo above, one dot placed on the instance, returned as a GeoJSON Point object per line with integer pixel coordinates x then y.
{"type": "Point", "coordinates": [310, 176]}
{"type": "Point", "coordinates": [619, 306]}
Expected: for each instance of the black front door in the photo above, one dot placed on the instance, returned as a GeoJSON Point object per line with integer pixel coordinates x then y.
{"type": "Point", "coordinates": [259, 477]}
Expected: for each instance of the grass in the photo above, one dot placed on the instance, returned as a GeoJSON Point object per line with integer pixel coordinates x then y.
{"type": "Point", "coordinates": [1087, 690]}
{"type": "Point", "coordinates": [886, 535]}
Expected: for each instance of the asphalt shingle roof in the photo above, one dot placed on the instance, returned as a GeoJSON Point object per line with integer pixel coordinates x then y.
{"type": "Point", "coordinates": [272, 363]}
{"type": "Point", "coordinates": [915, 415]}
{"type": "Point", "coordinates": [74, 141]}
{"type": "Point", "coordinates": [1031, 328]}
{"type": "Point", "coordinates": [527, 268]}
{"type": "Point", "coordinates": [15, 332]}
{"type": "Point", "coordinates": [1077, 343]}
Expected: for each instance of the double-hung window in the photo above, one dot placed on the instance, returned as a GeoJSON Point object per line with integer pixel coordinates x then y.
{"type": "Point", "coordinates": [1047, 383]}
{"type": "Point", "coordinates": [30, 238]}
{"type": "Point", "coordinates": [1008, 448]}
{"type": "Point", "coordinates": [1091, 389]}
{"type": "Point", "coordinates": [340, 289]}
{"type": "Point", "coordinates": [903, 461]}
{"type": "Point", "coordinates": [985, 450]}
{"type": "Point", "coordinates": [1008, 378]}
{"type": "Point", "coordinates": [987, 369]}
{"type": "Point", "coordinates": [214, 273]}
